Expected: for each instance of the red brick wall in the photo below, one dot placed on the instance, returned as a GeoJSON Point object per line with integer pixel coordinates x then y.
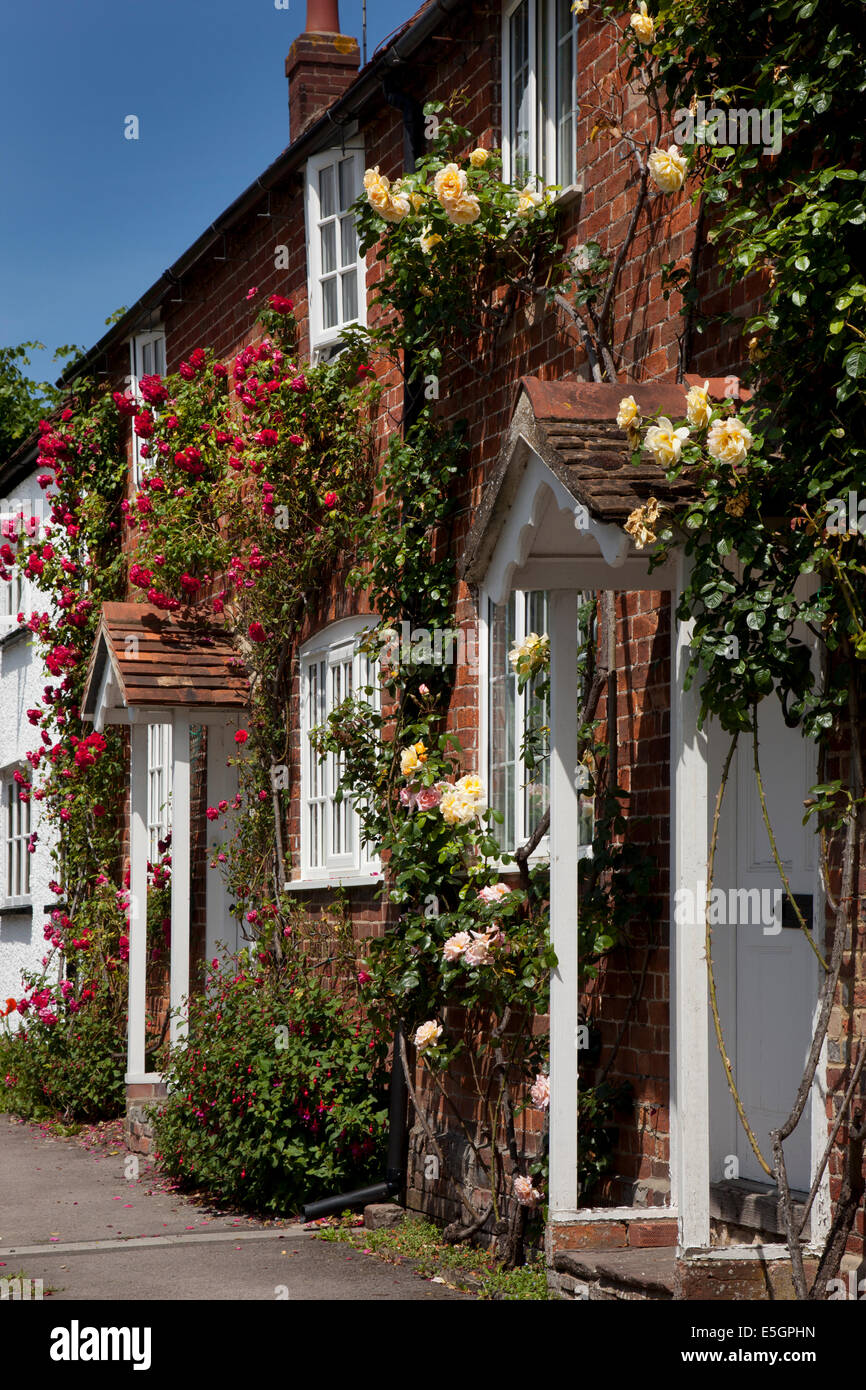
{"type": "Point", "coordinates": [209, 307]}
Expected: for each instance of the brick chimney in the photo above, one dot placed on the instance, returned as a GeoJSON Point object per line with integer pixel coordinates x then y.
{"type": "Point", "coordinates": [321, 64]}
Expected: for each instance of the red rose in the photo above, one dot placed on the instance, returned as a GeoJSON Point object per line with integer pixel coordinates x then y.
{"type": "Point", "coordinates": [241, 736]}
{"type": "Point", "coordinates": [280, 304]}
{"type": "Point", "coordinates": [257, 633]}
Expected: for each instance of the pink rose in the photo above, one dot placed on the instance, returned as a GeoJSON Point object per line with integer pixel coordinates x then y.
{"type": "Point", "coordinates": [428, 797]}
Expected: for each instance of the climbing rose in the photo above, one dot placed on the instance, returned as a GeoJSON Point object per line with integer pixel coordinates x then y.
{"type": "Point", "coordinates": [668, 170]}
{"type": "Point", "coordinates": [257, 633]}
{"type": "Point", "coordinates": [427, 1035]}
{"type": "Point", "coordinates": [241, 736]}
{"type": "Point", "coordinates": [526, 1194]}
{"type": "Point", "coordinates": [698, 406]}
{"type": "Point", "coordinates": [628, 416]}
{"type": "Point", "coordinates": [412, 758]}
{"type": "Point", "coordinates": [494, 892]}
{"type": "Point", "coordinates": [642, 25]}
{"type": "Point", "coordinates": [729, 441]}
{"type": "Point", "coordinates": [280, 304]}
{"type": "Point", "coordinates": [455, 946]}
{"type": "Point", "coordinates": [540, 1092]}
{"type": "Point", "coordinates": [428, 798]}
{"type": "Point", "coordinates": [664, 442]}
{"type": "Point", "coordinates": [330, 499]}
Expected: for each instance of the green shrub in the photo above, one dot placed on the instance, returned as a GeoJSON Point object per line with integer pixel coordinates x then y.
{"type": "Point", "coordinates": [65, 1062]}
{"type": "Point", "coordinates": [279, 1096]}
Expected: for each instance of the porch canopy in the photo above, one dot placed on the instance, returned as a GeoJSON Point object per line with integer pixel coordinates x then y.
{"type": "Point", "coordinates": [148, 667]}
{"type": "Point", "coordinates": [552, 518]}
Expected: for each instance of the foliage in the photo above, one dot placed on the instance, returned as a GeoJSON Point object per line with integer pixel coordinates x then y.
{"type": "Point", "coordinates": [471, 1271]}
{"type": "Point", "coordinates": [279, 1095]}
{"type": "Point", "coordinates": [68, 1057]}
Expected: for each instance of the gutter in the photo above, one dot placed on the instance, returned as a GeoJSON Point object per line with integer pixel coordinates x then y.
{"type": "Point", "coordinates": [365, 89]}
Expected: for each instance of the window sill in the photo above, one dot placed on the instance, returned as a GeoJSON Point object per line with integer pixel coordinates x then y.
{"type": "Point", "coordinates": [16, 909]}
{"type": "Point", "coordinates": [15, 634]}
{"type": "Point", "coordinates": [348, 879]}
{"type": "Point", "coordinates": [568, 197]}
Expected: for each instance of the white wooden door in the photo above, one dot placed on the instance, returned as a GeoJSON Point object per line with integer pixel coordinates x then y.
{"type": "Point", "coordinates": [766, 971]}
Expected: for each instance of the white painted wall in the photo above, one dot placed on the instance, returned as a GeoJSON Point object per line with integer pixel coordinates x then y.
{"type": "Point", "coordinates": [22, 678]}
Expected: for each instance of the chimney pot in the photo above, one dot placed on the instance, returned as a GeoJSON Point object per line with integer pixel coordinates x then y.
{"type": "Point", "coordinates": [323, 17]}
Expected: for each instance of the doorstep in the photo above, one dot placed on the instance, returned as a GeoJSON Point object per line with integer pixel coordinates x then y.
{"type": "Point", "coordinates": [605, 1275]}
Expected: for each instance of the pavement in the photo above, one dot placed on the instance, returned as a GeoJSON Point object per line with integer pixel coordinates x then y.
{"type": "Point", "coordinates": [81, 1215]}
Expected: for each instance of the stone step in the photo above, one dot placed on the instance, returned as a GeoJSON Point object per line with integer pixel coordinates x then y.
{"type": "Point", "coordinates": [606, 1274]}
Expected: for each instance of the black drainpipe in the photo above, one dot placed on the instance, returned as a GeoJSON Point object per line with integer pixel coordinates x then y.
{"type": "Point", "coordinates": [395, 1169]}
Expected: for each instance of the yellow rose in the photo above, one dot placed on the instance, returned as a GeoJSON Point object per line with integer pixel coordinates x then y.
{"type": "Point", "coordinates": [465, 211]}
{"type": "Point", "coordinates": [378, 190]}
{"type": "Point", "coordinates": [639, 524]}
{"type": "Point", "coordinates": [698, 406]}
{"type": "Point", "coordinates": [449, 185]}
{"type": "Point", "coordinates": [456, 808]}
{"type": "Point", "coordinates": [471, 787]}
{"type": "Point", "coordinates": [479, 158]}
{"type": "Point", "coordinates": [396, 208]}
{"type": "Point", "coordinates": [729, 441]}
{"type": "Point", "coordinates": [668, 169]}
{"type": "Point", "coordinates": [417, 200]}
{"type": "Point", "coordinates": [628, 416]}
{"type": "Point", "coordinates": [528, 201]}
{"type": "Point", "coordinates": [642, 25]}
{"type": "Point", "coordinates": [579, 6]}
{"type": "Point", "coordinates": [428, 239]}
{"type": "Point", "coordinates": [664, 442]}
{"type": "Point", "coordinates": [412, 758]}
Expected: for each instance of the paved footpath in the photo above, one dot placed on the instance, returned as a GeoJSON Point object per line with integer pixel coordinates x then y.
{"type": "Point", "coordinates": [71, 1217]}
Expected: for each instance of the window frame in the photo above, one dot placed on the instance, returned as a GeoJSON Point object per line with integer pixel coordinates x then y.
{"type": "Point", "coordinates": [9, 620]}
{"type": "Point", "coordinates": [322, 338]}
{"type": "Point", "coordinates": [329, 648]}
{"type": "Point", "coordinates": [541, 853]}
{"type": "Point", "coordinates": [9, 791]}
{"type": "Point", "coordinates": [543, 134]}
{"type": "Point", "coordinates": [137, 343]}
{"type": "Point", "coordinates": [159, 774]}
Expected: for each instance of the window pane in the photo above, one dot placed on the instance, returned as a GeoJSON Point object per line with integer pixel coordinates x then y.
{"type": "Point", "coordinates": [348, 241]}
{"type": "Point", "coordinates": [329, 302]}
{"type": "Point", "coordinates": [566, 94]}
{"type": "Point", "coordinates": [519, 132]}
{"type": "Point", "coordinates": [348, 191]}
{"type": "Point", "coordinates": [502, 704]}
{"type": "Point", "coordinates": [159, 356]}
{"type": "Point", "coordinates": [536, 791]}
{"type": "Point", "coordinates": [329, 248]}
{"type": "Point", "coordinates": [326, 191]}
{"type": "Point", "coordinates": [350, 296]}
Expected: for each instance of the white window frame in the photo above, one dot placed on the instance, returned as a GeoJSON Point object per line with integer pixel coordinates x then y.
{"type": "Point", "coordinates": [15, 593]}
{"type": "Point", "coordinates": [324, 655]}
{"type": "Point", "coordinates": [138, 344]}
{"type": "Point", "coordinates": [16, 827]}
{"type": "Point", "coordinates": [541, 853]}
{"type": "Point", "coordinates": [159, 786]}
{"type": "Point", "coordinates": [542, 89]}
{"type": "Point", "coordinates": [322, 338]}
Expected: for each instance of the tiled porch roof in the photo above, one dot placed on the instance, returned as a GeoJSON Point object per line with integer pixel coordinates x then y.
{"type": "Point", "coordinates": [571, 426]}
{"type": "Point", "coordinates": [164, 660]}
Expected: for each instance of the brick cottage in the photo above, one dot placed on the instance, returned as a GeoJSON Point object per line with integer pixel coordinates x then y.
{"type": "Point", "coordinates": [542, 501]}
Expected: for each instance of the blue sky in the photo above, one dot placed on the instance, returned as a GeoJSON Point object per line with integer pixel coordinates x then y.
{"type": "Point", "coordinates": [89, 219]}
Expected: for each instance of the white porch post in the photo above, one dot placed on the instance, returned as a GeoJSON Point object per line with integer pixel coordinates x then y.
{"type": "Point", "coordinates": [563, 901]}
{"type": "Point", "coordinates": [138, 853]}
{"type": "Point", "coordinates": [690, 1131]}
{"type": "Point", "coordinates": [180, 866]}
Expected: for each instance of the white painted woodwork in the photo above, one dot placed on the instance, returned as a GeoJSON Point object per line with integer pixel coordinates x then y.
{"type": "Point", "coordinates": [180, 876]}
{"type": "Point", "coordinates": [138, 853]}
{"type": "Point", "coordinates": [690, 1169]}
{"type": "Point", "coordinates": [563, 901]}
